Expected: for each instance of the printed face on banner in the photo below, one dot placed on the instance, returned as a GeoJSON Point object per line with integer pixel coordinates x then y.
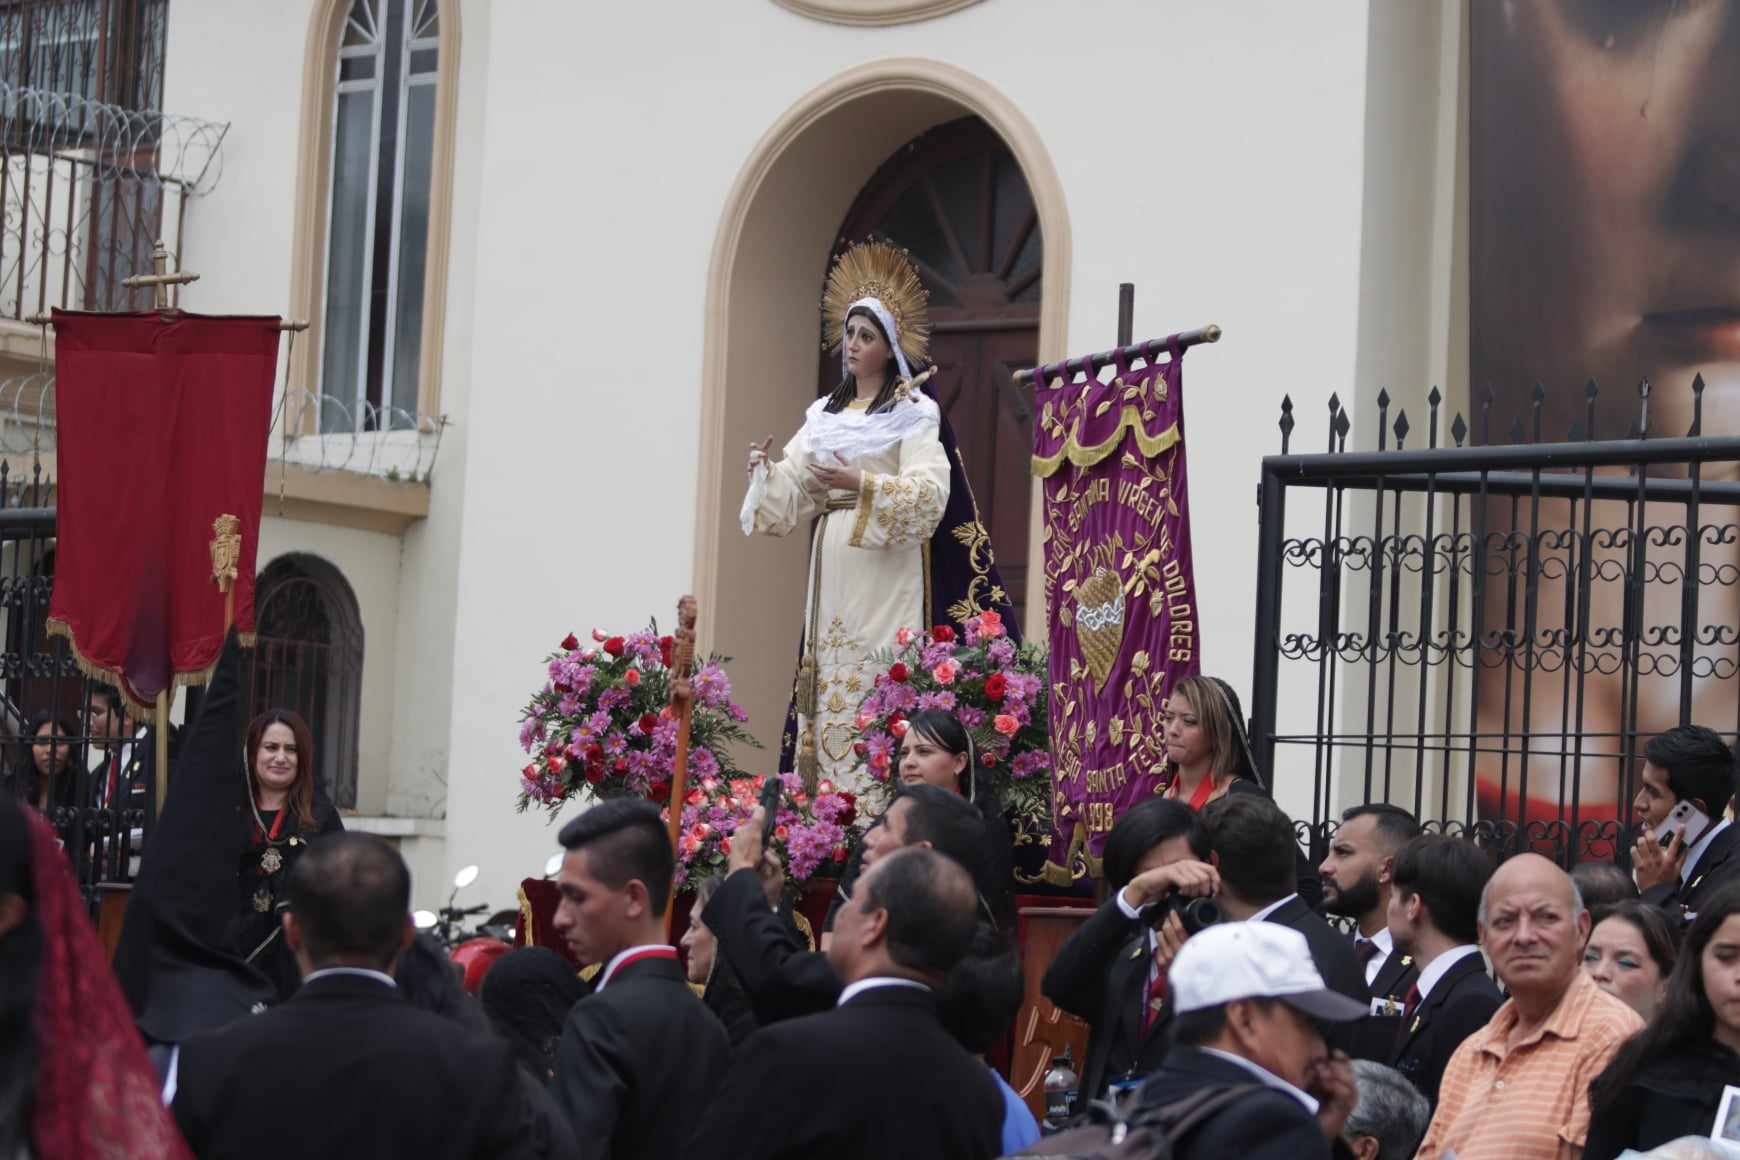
{"type": "Point", "coordinates": [1118, 580]}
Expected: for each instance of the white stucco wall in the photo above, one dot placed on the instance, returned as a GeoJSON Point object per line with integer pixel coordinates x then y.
{"type": "Point", "coordinates": [1214, 154]}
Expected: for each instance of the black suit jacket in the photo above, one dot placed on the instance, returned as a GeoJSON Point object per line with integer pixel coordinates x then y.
{"type": "Point", "coordinates": [781, 977]}
{"type": "Point", "coordinates": [1101, 975]}
{"type": "Point", "coordinates": [896, 1084]}
{"type": "Point", "coordinates": [347, 1068]}
{"type": "Point", "coordinates": [633, 1054]}
{"type": "Point", "coordinates": [1718, 866]}
{"type": "Point", "coordinates": [1265, 1124]}
{"type": "Point", "coordinates": [1330, 949]}
{"type": "Point", "coordinates": [1461, 1003]}
{"type": "Point", "coordinates": [1394, 978]}
{"type": "Point", "coordinates": [1374, 1037]}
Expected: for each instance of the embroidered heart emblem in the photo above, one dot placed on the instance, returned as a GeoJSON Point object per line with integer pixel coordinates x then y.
{"type": "Point", "coordinates": [1099, 623]}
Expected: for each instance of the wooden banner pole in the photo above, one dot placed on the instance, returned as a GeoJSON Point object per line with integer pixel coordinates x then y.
{"type": "Point", "coordinates": [683, 706]}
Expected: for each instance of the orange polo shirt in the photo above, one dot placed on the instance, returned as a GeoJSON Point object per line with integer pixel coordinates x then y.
{"type": "Point", "coordinates": [1521, 1103]}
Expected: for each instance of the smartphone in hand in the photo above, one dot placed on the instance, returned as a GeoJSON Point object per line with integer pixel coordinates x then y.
{"type": "Point", "coordinates": [1685, 819]}
{"type": "Point", "coordinates": [771, 789]}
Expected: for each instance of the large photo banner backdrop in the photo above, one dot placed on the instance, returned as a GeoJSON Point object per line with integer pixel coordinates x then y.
{"type": "Point", "coordinates": [163, 423]}
{"type": "Point", "coordinates": [1119, 587]}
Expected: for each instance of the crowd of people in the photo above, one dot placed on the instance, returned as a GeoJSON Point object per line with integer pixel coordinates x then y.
{"type": "Point", "coordinates": [1404, 997]}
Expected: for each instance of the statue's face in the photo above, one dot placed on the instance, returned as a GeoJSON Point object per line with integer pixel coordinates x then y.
{"type": "Point", "coordinates": [867, 353]}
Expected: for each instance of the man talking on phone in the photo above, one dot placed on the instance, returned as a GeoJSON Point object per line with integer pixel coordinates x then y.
{"type": "Point", "coordinates": [1686, 849]}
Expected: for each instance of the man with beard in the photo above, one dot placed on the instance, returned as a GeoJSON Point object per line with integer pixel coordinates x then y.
{"type": "Point", "coordinates": [1356, 884]}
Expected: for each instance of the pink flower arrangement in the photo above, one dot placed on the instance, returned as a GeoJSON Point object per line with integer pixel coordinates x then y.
{"type": "Point", "coordinates": [808, 834]}
{"type": "Point", "coordinates": [600, 726]}
{"type": "Point", "coordinates": [995, 688]}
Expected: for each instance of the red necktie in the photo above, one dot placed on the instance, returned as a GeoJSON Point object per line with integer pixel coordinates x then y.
{"type": "Point", "coordinates": [1156, 997]}
{"type": "Point", "coordinates": [1411, 1003]}
{"type": "Point", "coordinates": [1366, 949]}
{"type": "Point", "coordinates": [114, 779]}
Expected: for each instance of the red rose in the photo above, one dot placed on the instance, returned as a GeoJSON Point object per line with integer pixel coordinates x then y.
{"type": "Point", "coordinates": [570, 643]}
{"type": "Point", "coordinates": [620, 765]}
{"type": "Point", "coordinates": [850, 813]}
{"type": "Point", "coordinates": [530, 771]}
{"type": "Point", "coordinates": [594, 774]}
{"type": "Point", "coordinates": [725, 846]}
{"type": "Point", "coordinates": [898, 672]}
{"type": "Point", "coordinates": [1005, 724]}
{"type": "Point", "coordinates": [631, 678]}
{"type": "Point", "coordinates": [648, 722]}
{"type": "Point", "coordinates": [695, 798]}
{"type": "Point", "coordinates": [898, 728]}
{"type": "Point", "coordinates": [942, 632]}
{"type": "Point", "coordinates": [594, 752]}
{"type": "Point", "coordinates": [996, 685]}
{"type": "Point", "coordinates": [614, 646]}
{"type": "Point", "coordinates": [563, 687]}
{"type": "Point", "coordinates": [988, 760]}
{"type": "Point", "coordinates": [861, 749]}
{"type": "Point", "coordinates": [839, 853]}
{"type": "Point", "coordinates": [660, 791]}
{"type": "Point", "coordinates": [557, 763]}
{"type": "Point", "coordinates": [667, 646]}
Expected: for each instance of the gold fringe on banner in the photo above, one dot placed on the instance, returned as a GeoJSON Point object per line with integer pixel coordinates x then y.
{"type": "Point", "coordinates": [1086, 455]}
{"type": "Point", "coordinates": [112, 677]}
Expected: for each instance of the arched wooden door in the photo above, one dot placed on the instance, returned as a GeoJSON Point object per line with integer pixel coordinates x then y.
{"type": "Point", "coordinates": [956, 199]}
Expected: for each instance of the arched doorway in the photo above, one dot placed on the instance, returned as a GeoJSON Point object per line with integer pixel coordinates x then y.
{"type": "Point", "coordinates": [308, 657]}
{"type": "Point", "coordinates": [955, 198]}
{"type": "Point", "coordinates": [776, 234]}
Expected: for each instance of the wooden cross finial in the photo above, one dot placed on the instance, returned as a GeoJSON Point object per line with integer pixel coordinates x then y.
{"type": "Point", "coordinates": [162, 282]}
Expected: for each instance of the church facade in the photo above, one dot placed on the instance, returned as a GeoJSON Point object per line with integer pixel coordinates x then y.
{"type": "Point", "coordinates": [561, 265]}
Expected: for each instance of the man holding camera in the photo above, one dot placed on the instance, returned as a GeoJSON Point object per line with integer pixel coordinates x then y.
{"type": "Point", "coordinates": [1688, 779]}
{"type": "Point", "coordinates": [1112, 971]}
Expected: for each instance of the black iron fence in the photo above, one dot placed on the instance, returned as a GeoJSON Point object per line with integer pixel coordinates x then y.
{"type": "Point", "coordinates": [63, 749]}
{"type": "Point", "coordinates": [1487, 632]}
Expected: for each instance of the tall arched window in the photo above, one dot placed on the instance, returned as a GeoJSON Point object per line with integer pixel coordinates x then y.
{"type": "Point", "coordinates": [385, 152]}
{"type": "Point", "coordinates": [308, 657]}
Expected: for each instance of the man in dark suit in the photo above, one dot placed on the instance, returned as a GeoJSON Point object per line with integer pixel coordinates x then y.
{"type": "Point", "coordinates": [346, 1067]}
{"type": "Point", "coordinates": [1690, 764]}
{"type": "Point", "coordinates": [782, 978]}
{"type": "Point", "coordinates": [1434, 904]}
{"type": "Point", "coordinates": [892, 1080]}
{"type": "Point", "coordinates": [641, 1050]}
{"type": "Point", "coordinates": [1246, 1037]}
{"type": "Point", "coordinates": [1356, 885]}
{"type": "Point", "coordinates": [1253, 848]}
{"type": "Point", "coordinates": [1112, 970]}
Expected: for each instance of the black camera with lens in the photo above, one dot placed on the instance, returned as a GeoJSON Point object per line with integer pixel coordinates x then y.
{"type": "Point", "coordinates": [1195, 913]}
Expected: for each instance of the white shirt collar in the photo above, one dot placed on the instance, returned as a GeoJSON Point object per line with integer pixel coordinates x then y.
{"type": "Point", "coordinates": [361, 972]}
{"type": "Point", "coordinates": [1269, 1078]}
{"type": "Point", "coordinates": [616, 961]}
{"type": "Point", "coordinates": [1271, 908]}
{"type": "Point", "coordinates": [1385, 948]}
{"type": "Point", "coordinates": [853, 990]}
{"type": "Point", "coordinates": [1440, 966]}
{"type": "Point", "coordinates": [1698, 848]}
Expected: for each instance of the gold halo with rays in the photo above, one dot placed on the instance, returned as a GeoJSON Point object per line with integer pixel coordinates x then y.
{"type": "Point", "coordinates": [878, 270]}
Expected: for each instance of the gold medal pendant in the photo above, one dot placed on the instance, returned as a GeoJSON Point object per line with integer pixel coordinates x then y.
{"type": "Point", "coordinates": [271, 861]}
{"type": "Point", "coordinates": [262, 900]}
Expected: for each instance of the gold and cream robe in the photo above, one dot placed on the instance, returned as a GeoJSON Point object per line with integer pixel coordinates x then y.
{"type": "Point", "coordinates": [867, 575]}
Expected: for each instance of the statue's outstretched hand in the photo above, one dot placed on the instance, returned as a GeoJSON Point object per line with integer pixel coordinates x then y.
{"type": "Point", "coordinates": [758, 454]}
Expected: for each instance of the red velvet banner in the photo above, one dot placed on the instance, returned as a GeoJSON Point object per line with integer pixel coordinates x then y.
{"type": "Point", "coordinates": [162, 427]}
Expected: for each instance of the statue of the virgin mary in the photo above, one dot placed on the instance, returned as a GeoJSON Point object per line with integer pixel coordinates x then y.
{"type": "Point", "coordinates": [898, 542]}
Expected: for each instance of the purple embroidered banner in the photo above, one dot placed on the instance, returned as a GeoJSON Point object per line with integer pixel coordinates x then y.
{"type": "Point", "coordinates": [1119, 588]}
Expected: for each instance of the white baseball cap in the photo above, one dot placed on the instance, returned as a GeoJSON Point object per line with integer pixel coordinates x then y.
{"type": "Point", "coordinates": [1254, 960]}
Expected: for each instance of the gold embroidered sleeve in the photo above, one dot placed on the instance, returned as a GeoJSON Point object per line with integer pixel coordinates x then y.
{"type": "Point", "coordinates": [904, 508]}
